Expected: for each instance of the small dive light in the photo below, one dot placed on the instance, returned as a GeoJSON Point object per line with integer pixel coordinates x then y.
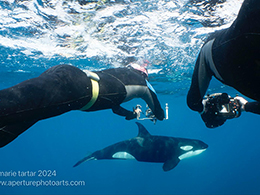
{"type": "Point", "coordinates": [149, 114]}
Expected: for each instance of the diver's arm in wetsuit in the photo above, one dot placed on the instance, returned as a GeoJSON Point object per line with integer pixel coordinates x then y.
{"type": "Point", "coordinates": [151, 99]}
{"type": "Point", "coordinates": [148, 94]}
{"type": "Point", "coordinates": [200, 81]}
{"type": "Point", "coordinates": [253, 107]}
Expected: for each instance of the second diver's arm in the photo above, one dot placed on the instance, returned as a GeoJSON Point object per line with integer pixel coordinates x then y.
{"type": "Point", "coordinates": [253, 107]}
{"type": "Point", "coordinates": [200, 81]}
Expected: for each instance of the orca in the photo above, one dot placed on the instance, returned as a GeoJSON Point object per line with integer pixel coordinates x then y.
{"type": "Point", "coordinates": [148, 148]}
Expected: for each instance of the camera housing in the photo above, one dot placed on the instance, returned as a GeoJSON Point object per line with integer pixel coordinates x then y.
{"type": "Point", "coordinates": [222, 106]}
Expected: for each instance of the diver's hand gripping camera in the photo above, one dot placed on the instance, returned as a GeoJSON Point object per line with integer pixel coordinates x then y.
{"type": "Point", "coordinates": [222, 106]}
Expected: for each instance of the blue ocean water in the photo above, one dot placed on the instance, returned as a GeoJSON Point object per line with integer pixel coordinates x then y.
{"type": "Point", "coordinates": [37, 34]}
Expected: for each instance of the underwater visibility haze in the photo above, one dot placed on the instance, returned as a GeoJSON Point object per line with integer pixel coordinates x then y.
{"type": "Point", "coordinates": [38, 34]}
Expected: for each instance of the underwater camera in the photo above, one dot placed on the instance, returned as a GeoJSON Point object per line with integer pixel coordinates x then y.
{"type": "Point", "coordinates": [148, 113]}
{"type": "Point", "coordinates": [222, 105]}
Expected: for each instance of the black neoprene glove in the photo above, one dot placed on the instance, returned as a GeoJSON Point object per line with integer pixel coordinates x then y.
{"type": "Point", "coordinates": [131, 115]}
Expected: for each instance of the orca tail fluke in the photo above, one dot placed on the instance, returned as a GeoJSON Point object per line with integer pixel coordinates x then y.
{"type": "Point", "coordinates": [87, 158]}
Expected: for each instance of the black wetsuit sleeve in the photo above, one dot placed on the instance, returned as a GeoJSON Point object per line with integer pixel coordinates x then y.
{"type": "Point", "coordinates": [156, 107]}
{"type": "Point", "coordinates": [199, 84]}
{"type": "Point", "coordinates": [253, 107]}
{"type": "Point", "coordinates": [124, 112]}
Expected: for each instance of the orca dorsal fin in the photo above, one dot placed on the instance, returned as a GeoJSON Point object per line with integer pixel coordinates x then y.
{"type": "Point", "coordinates": [142, 130]}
